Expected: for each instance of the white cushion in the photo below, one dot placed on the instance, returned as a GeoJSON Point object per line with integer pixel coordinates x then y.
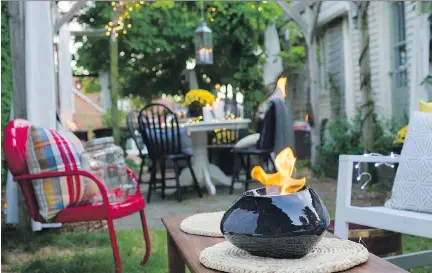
{"type": "Point", "coordinates": [247, 141]}
{"type": "Point", "coordinates": [412, 189]}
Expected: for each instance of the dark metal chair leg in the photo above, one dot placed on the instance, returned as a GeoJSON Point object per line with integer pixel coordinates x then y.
{"type": "Point", "coordinates": [195, 181]}
{"type": "Point", "coordinates": [236, 171]}
{"type": "Point", "coordinates": [177, 179]}
{"type": "Point", "coordinates": [141, 170]}
{"type": "Point", "coordinates": [272, 162]}
{"type": "Point", "coordinates": [152, 182]}
{"type": "Point", "coordinates": [163, 169]}
{"type": "Point", "coordinates": [248, 173]}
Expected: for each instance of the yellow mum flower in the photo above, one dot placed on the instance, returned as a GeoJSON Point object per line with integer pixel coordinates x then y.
{"type": "Point", "coordinates": [400, 137]}
{"type": "Point", "coordinates": [201, 96]}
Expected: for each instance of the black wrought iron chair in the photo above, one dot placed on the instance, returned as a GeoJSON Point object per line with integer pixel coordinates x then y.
{"type": "Point", "coordinates": [161, 134]}
{"type": "Point", "coordinates": [262, 150]}
{"type": "Point", "coordinates": [133, 127]}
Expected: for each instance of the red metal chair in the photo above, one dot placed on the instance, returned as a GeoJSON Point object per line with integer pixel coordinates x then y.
{"type": "Point", "coordinates": [14, 147]}
{"type": "Point", "coordinates": [105, 211]}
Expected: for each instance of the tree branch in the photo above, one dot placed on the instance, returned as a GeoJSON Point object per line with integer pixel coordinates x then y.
{"type": "Point", "coordinates": [295, 15]}
{"type": "Point", "coordinates": [69, 15]}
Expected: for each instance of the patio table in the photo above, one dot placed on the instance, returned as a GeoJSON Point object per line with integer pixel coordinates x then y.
{"type": "Point", "coordinates": [206, 172]}
{"type": "Point", "coordinates": [184, 249]}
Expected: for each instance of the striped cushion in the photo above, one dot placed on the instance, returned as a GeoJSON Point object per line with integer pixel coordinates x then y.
{"type": "Point", "coordinates": [48, 151]}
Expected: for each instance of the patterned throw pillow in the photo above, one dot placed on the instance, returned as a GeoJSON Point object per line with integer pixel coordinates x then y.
{"type": "Point", "coordinates": [412, 189]}
{"type": "Point", "coordinates": [48, 151]}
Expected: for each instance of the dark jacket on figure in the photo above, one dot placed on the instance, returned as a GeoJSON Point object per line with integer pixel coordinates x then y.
{"type": "Point", "coordinates": [277, 127]}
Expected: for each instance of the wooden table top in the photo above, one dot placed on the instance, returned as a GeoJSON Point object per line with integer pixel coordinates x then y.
{"type": "Point", "coordinates": [190, 247]}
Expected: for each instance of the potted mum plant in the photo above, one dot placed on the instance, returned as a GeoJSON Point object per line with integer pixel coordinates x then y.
{"type": "Point", "coordinates": [196, 99]}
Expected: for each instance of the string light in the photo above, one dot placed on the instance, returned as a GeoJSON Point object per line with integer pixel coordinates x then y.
{"type": "Point", "coordinates": [376, 165]}
{"type": "Point", "coordinates": [123, 10]}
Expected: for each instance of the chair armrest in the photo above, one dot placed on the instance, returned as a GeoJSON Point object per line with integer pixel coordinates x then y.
{"type": "Point", "coordinates": [87, 174]}
{"type": "Point", "coordinates": [134, 179]}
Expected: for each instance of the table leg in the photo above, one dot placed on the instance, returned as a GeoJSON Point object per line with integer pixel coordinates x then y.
{"type": "Point", "coordinates": [199, 163]}
{"type": "Point", "coordinates": [205, 172]}
{"type": "Point", "coordinates": [176, 263]}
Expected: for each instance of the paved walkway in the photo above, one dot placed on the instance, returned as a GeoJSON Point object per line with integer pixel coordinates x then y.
{"type": "Point", "coordinates": [191, 204]}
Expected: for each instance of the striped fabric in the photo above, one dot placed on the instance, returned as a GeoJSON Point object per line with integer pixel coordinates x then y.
{"type": "Point", "coordinates": [48, 151]}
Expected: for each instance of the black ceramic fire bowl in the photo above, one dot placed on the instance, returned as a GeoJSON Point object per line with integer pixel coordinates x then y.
{"type": "Point", "coordinates": [279, 226]}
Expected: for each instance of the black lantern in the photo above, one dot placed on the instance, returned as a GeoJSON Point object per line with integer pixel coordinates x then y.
{"type": "Point", "coordinates": [203, 44]}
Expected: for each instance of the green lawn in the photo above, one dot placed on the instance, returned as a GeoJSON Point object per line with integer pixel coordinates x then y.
{"type": "Point", "coordinates": [90, 252]}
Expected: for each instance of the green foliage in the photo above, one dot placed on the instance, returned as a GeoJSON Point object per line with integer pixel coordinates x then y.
{"type": "Point", "coordinates": [86, 252]}
{"type": "Point", "coordinates": [90, 85]}
{"type": "Point", "coordinates": [6, 77]}
{"type": "Point", "coordinates": [107, 119]}
{"type": "Point", "coordinates": [344, 137]}
{"type": "Point", "coordinates": [294, 52]}
{"type": "Point", "coordinates": [154, 51]}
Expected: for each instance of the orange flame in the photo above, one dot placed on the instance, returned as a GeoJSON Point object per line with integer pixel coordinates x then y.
{"type": "Point", "coordinates": [284, 162]}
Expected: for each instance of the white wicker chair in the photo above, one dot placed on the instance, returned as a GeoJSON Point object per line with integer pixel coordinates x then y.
{"type": "Point", "coordinates": [407, 222]}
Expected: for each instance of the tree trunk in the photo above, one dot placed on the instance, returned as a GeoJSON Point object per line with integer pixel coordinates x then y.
{"type": "Point", "coordinates": [114, 88]}
{"type": "Point", "coordinates": [315, 132]}
{"type": "Point", "coordinates": [365, 82]}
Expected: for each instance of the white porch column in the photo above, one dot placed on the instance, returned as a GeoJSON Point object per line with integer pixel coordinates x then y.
{"type": "Point", "coordinates": [273, 66]}
{"type": "Point", "coordinates": [420, 67]}
{"type": "Point", "coordinates": [65, 75]}
{"type": "Point", "coordinates": [40, 73]}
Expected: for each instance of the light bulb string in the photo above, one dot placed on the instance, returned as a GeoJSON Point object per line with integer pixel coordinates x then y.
{"type": "Point", "coordinates": [376, 165]}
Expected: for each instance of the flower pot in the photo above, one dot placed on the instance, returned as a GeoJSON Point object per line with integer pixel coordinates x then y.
{"type": "Point", "coordinates": [195, 112]}
{"type": "Point", "coordinates": [379, 242]}
{"type": "Point", "coordinates": [278, 226]}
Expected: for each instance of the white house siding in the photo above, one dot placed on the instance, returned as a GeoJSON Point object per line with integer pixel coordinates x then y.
{"type": "Point", "coordinates": [379, 58]}
{"type": "Point", "coordinates": [410, 14]}
{"type": "Point", "coordinates": [354, 32]}
{"type": "Point", "coordinates": [329, 11]}
{"type": "Point", "coordinates": [380, 54]}
{"type": "Point", "coordinates": [375, 33]}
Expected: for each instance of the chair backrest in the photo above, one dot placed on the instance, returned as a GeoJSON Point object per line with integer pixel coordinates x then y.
{"type": "Point", "coordinates": [15, 152]}
{"type": "Point", "coordinates": [160, 130]}
{"type": "Point", "coordinates": [134, 130]}
{"type": "Point", "coordinates": [266, 140]}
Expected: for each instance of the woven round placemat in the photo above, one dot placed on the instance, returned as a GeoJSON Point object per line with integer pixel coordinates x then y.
{"type": "Point", "coordinates": [204, 224]}
{"type": "Point", "coordinates": [330, 255]}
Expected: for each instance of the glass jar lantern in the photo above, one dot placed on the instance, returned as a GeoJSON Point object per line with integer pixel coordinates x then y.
{"type": "Point", "coordinates": [203, 45]}
{"type": "Point", "coordinates": [106, 161]}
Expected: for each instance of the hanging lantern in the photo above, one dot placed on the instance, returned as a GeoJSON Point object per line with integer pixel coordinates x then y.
{"type": "Point", "coordinates": [203, 44]}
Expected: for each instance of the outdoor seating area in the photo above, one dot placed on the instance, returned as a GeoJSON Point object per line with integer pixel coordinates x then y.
{"type": "Point", "coordinates": [216, 136]}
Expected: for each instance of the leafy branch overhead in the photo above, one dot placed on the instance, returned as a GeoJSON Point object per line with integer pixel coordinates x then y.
{"type": "Point", "coordinates": [153, 53]}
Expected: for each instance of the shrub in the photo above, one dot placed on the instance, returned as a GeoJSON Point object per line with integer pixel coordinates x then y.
{"type": "Point", "coordinates": [343, 136]}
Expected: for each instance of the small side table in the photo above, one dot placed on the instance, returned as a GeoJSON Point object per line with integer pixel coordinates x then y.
{"type": "Point", "coordinates": [184, 249]}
